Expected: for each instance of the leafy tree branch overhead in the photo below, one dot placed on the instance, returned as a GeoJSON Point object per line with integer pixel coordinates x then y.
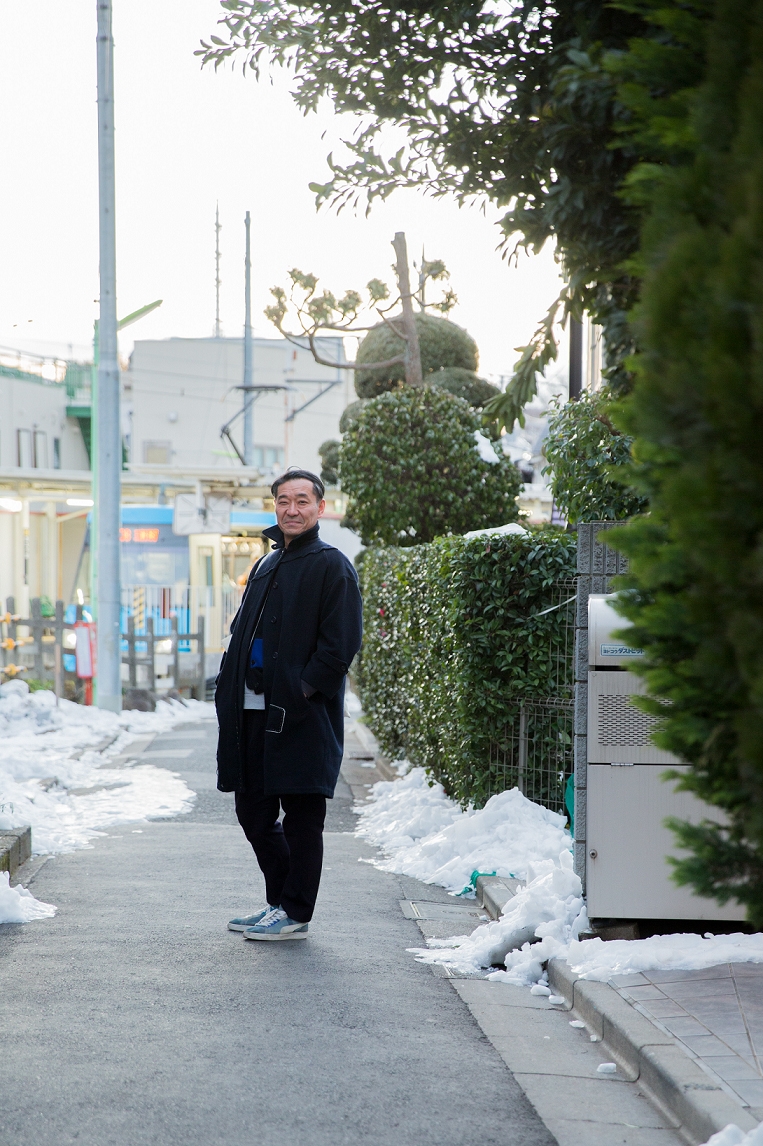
{"type": "Point", "coordinates": [544, 110]}
{"type": "Point", "coordinates": [314, 312]}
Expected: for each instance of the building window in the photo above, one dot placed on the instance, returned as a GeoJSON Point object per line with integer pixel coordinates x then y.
{"type": "Point", "coordinates": [268, 457]}
{"type": "Point", "coordinates": [40, 450]}
{"type": "Point", "coordinates": [24, 457]}
{"type": "Point", "coordinates": [157, 453]}
{"type": "Point", "coordinates": [56, 453]}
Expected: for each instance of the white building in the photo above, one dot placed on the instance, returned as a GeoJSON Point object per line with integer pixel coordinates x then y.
{"type": "Point", "coordinates": [180, 393]}
{"type": "Point", "coordinates": [177, 396]}
{"type": "Point", "coordinates": [37, 430]}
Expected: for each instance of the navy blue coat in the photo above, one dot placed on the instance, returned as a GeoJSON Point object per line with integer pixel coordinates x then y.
{"type": "Point", "coordinates": [312, 627]}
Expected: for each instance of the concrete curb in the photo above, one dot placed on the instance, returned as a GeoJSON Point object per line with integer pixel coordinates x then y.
{"type": "Point", "coordinates": [673, 1081]}
{"type": "Point", "coordinates": [15, 849]}
{"type": "Point", "coordinates": [495, 891]}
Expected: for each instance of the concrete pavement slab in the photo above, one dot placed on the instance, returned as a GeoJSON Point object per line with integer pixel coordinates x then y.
{"type": "Point", "coordinates": [134, 1018]}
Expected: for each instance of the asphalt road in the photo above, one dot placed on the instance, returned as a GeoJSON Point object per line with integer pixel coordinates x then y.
{"type": "Point", "coordinates": [135, 1017]}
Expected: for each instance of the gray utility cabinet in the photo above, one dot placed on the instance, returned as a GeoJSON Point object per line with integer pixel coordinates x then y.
{"type": "Point", "coordinates": [621, 800]}
{"type": "Point", "coordinates": [628, 874]}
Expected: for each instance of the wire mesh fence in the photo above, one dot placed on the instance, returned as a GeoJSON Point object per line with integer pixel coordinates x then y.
{"type": "Point", "coordinates": [559, 640]}
{"type": "Point", "coordinates": [534, 750]}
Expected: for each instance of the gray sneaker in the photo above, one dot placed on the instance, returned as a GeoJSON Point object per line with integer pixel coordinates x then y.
{"type": "Point", "coordinates": [245, 921]}
{"type": "Point", "coordinates": [277, 925]}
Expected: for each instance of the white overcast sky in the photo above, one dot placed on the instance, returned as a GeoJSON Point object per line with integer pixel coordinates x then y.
{"type": "Point", "coordinates": [186, 138]}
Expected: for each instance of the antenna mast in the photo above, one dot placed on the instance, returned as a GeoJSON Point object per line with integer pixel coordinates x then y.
{"type": "Point", "coordinates": [218, 229]}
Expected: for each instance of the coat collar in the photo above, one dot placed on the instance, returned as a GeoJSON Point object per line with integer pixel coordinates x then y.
{"type": "Point", "coordinates": [303, 541]}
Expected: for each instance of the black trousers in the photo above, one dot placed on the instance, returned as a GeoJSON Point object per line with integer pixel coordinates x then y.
{"type": "Point", "coordinates": [290, 855]}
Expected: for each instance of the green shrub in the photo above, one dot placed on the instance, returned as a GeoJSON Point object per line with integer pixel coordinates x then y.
{"type": "Point", "coordinates": [454, 641]}
{"type": "Point", "coordinates": [697, 415]}
{"type": "Point", "coordinates": [350, 414]}
{"type": "Point", "coordinates": [584, 450]}
{"type": "Point", "coordinates": [328, 452]}
{"type": "Point", "coordinates": [36, 685]}
{"type": "Point", "coordinates": [411, 468]}
{"type": "Point", "coordinates": [442, 343]}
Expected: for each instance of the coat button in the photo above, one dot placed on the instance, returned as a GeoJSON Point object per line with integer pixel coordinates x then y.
{"type": "Point", "coordinates": [273, 620]}
{"type": "Point", "coordinates": [275, 584]}
{"type": "Point", "coordinates": [275, 656]}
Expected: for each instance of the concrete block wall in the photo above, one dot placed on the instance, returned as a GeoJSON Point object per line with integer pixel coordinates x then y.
{"type": "Point", "coordinates": [597, 564]}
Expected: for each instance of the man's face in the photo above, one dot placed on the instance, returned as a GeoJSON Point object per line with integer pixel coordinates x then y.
{"type": "Point", "coordinates": [297, 508]}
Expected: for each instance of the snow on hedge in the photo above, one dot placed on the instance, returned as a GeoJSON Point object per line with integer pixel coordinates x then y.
{"type": "Point", "coordinates": [424, 834]}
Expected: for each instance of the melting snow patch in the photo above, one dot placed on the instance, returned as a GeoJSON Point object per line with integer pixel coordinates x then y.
{"type": "Point", "coordinates": [594, 959]}
{"type": "Point", "coordinates": [537, 924]}
{"type": "Point", "coordinates": [731, 1135]}
{"type": "Point", "coordinates": [52, 778]}
{"type": "Point", "coordinates": [17, 905]}
{"type": "Point", "coordinates": [424, 834]}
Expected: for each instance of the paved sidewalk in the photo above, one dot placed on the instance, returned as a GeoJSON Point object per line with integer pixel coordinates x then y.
{"type": "Point", "coordinates": [716, 1015]}
{"type": "Point", "coordinates": [134, 1017]}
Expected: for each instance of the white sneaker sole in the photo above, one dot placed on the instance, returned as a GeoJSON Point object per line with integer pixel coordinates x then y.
{"type": "Point", "coordinates": [276, 938]}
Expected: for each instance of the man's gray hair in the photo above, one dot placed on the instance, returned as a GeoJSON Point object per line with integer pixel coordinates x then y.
{"type": "Point", "coordinates": [295, 474]}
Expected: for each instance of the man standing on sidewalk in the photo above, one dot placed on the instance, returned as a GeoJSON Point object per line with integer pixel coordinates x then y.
{"type": "Point", "coordinates": [280, 704]}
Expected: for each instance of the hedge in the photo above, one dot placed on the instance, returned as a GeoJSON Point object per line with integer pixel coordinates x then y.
{"type": "Point", "coordinates": [454, 642]}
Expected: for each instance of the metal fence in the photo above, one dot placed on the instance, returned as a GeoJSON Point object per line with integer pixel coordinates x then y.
{"type": "Point", "coordinates": [216, 606]}
{"type": "Point", "coordinates": [534, 750]}
{"type": "Point", "coordinates": [534, 753]}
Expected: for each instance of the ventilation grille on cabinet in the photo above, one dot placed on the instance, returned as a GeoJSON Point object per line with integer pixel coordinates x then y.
{"type": "Point", "coordinates": [621, 723]}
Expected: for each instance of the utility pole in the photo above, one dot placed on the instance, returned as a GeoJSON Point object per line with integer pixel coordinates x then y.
{"type": "Point", "coordinates": [248, 393]}
{"type": "Point", "coordinates": [218, 229]}
{"type": "Point", "coordinates": [413, 375]}
{"type": "Point", "coordinates": [576, 359]}
{"type": "Point", "coordinates": [107, 438]}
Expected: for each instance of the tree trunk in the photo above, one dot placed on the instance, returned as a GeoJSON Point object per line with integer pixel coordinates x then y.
{"type": "Point", "coordinates": [413, 376]}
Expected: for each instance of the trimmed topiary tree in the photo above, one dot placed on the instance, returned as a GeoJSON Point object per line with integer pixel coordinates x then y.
{"type": "Point", "coordinates": [349, 415]}
{"type": "Point", "coordinates": [413, 471]}
{"type": "Point", "coordinates": [328, 452]}
{"type": "Point", "coordinates": [441, 342]}
{"type": "Point", "coordinates": [464, 384]}
{"type": "Point", "coordinates": [584, 451]}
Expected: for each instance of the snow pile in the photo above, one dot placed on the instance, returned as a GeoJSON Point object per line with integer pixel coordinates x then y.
{"type": "Point", "coordinates": [538, 924]}
{"type": "Point", "coordinates": [492, 530]}
{"type": "Point", "coordinates": [52, 778]}
{"type": "Point", "coordinates": [17, 905]}
{"type": "Point", "coordinates": [594, 959]}
{"type": "Point", "coordinates": [731, 1135]}
{"type": "Point", "coordinates": [423, 834]}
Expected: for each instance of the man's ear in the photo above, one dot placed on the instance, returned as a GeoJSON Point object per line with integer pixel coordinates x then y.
{"type": "Point", "coordinates": [322, 507]}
